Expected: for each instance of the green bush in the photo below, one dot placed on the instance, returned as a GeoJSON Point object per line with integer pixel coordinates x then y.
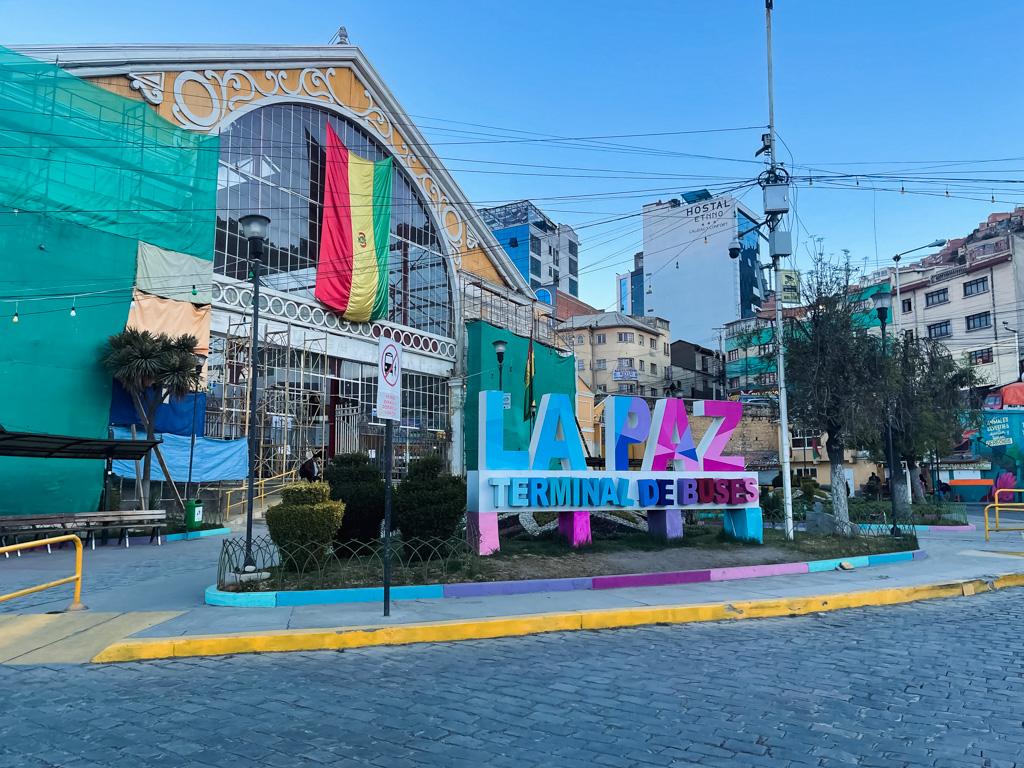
{"type": "Point", "coordinates": [429, 504]}
{"type": "Point", "coordinates": [771, 505]}
{"type": "Point", "coordinates": [304, 524]}
{"type": "Point", "coordinates": [358, 483]}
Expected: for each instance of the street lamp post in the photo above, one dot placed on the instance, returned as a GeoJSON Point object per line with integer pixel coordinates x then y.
{"type": "Point", "coordinates": [883, 302]}
{"type": "Point", "coordinates": [899, 306]}
{"type": "Point", "coordinates": [499, 350]}
{"type": "Point", "coordinates": [1016, 346]}
{"type": "Point", "coordinates": [255, 228]}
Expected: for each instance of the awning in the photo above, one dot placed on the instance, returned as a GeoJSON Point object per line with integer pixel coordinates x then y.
{"type": "Point", "coordinates": [40, 446]}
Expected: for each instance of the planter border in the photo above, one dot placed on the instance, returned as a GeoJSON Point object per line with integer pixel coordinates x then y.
{"type": "Point", "coordinates": [215, 596]}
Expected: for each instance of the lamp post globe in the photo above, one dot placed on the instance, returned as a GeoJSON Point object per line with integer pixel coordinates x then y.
{"type": "Point", "coordinates": [499, 349]}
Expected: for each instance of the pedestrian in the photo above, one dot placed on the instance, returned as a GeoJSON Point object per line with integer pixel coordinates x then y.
{"type": "Point", "coordinates": [309, 469]}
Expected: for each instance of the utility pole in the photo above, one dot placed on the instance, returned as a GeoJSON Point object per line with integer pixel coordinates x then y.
{"type": "Point", "coordinates": [776, 184]}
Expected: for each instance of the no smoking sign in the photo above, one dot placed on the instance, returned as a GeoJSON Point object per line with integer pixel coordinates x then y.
{"type": "Point", "coordinates": [389, 382]}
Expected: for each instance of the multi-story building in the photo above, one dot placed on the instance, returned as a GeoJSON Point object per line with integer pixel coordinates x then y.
{"type": "Point", "coordinates": [545, 253]}
{"type": "Point", "coordinates": [689, 278]}
{"type": "Point", "coordinates": [619, 354]}
{"type": "Point", "coordinates": [969, 297]}
{"type": "Point", "coordinates": [629, 288]}
{"type": "Point", "coordinates": [696, 371]}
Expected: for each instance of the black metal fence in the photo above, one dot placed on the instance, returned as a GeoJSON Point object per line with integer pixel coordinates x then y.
{"type": "Point", "coordinates": [344, 566]}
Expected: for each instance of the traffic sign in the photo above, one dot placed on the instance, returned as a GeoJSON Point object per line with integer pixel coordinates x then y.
{"type": "Point", "coordinates": [389, 380]}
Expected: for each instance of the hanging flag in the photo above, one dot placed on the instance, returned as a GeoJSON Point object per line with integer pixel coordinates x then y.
{"type": "Point", "coordinates": [528, 402]}
{"type": "Point", "coordinates": [352, 272]}
{"type": "Point", "coordinates": [815, 449]}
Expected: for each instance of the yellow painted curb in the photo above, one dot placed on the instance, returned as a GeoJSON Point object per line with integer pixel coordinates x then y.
{"type": "Point", "coordinates": [508, 626]}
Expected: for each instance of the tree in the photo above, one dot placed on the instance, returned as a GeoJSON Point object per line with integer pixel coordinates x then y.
{"type": "Point", "coordinates": [935, 397]}
{"type": "Point", "coordinates": [830, 377]}
{"type": "Point", "coordinates": [152, 368]}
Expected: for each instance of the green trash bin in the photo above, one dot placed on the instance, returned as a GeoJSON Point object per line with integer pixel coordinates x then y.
{"type": "Point", "coordinates": [193, 514]}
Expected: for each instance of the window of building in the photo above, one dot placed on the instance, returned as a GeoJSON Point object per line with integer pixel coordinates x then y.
{"type": "Point", "coordinates": [535, 267]}
{"type": "Point", "coordinates": [804, 438]}
{"type": "Point", "coordinates": [666, 349]}
{"type": "Point", "coordinates": [600, 338]}
{"type": "Point", "coordinates": [978, 321]}
{"type": "Point", "coordinates": [626, 389]}
{"type": "Point", "coordinates": [641, 339]}
{"type": "Point", "coordinates": [981, 356]}
{"type": "Point", "coordinates": [574, 249]}
{"type": "Point", "coordinates": [733, 355]}
{"type": "Point", "coordinates": [601, 365]}
{"type": "Point", "coordinates": [625, 338]}
{"type": "Point", "coordinates": [908, 305]}
{"type": "Point", "coordinates": [579, 339]}
{"type": "Point", "coordinates": [625, 362]}
{"type": "Point", "coordinates": [940, 330]}
{"type": "Point", "coordinates": [581, 365]}
{"type": "Point", "coordinates": [769, 378]}
{"type": "Point", "coordinates": [806, 472]}
{"type": "Point", "coordinates": [654, 343]}
{"type": "Point", "coordinates": [733, 382]}
{"type": "Point", "coordinates": [908, 335]}
{"type": "Point", "coordinates": [643, 390]}
{"type": "Point", "coordinates": [973, 287]}
{"type": "Point", "coordinates": [654, 368]}
{"type": "Point", "coordinates": [535, 244]}
{"type": "Point", "coordinates": [765, 350]}
{"type": "Point", "coordinates": [574, 267]}
{"type": "Point", "coordinates": [668, 371]}
{"type": "Point", "coordinates": [535, 284]}
{"type": "Point", "coordinates": [574, 288]}
{"type": "Point", "coordinates": [940, 296]}
{"type": "Point", "coordinates": [641, 365]}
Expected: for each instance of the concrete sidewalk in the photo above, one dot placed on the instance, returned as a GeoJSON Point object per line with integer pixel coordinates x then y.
{"type": "Point", "coordinates": [162, 588]}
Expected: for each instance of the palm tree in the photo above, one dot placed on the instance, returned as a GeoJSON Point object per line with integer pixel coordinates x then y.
{"type": "Point", "coordinates": [152, 368]}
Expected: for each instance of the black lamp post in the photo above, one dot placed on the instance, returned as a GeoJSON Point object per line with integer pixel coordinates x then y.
{"type": "Point", "coordinates": [499, 350]}
{"type": "Point", "coordinates": [255, 228]}
{"type": "Point", "coordinates": [883, 302]}
{"type": "Point", "coordinates": [200, 362]}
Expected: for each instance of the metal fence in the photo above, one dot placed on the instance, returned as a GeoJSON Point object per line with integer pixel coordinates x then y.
{"type": "Point", "coordinates": [344, 565]}
{"type": "Point", "coordinates": [869, 517]}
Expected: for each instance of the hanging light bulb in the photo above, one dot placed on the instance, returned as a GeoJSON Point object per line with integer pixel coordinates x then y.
{"type": "Point", "coordinates": [132, 305]}
{"type": "Point", "coordinates": [810, 182]}
{"type": "Point", "coordinates": [194, 291]}
{"type": "Point", "coordinates": [677, 265]}
{"type": "Point", "coordinates": [15, 318]}
{"type": "Point", "coordinates": [993, 197]}
{"type": "Point", "coordinates": [858, 182]}
{"type": "Point", "coordinates": [902, 190]}
{"type": "Point", "coordinates": [705, 240]}
{"type": "Point", "coordinates": [73, 312]}
{"type": "Point", "coordinates": [947, 193]}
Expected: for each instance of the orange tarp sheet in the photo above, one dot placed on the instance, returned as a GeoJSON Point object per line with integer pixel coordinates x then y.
{"type": "Point", "coordinates": [156, 315]}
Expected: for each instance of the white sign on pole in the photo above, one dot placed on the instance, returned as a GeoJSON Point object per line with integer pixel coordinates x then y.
{"type": "Point", "coordinates": [507, 399]}
{"type": "Point", "coordinates": [389, 381]}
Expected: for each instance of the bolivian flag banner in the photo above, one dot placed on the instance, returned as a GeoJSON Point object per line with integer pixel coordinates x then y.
{"type": "Point", "coordinates": [352, 272]}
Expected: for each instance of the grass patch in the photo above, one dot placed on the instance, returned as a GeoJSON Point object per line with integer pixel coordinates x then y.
{"type": "Point", "coordinates": [817, 547]}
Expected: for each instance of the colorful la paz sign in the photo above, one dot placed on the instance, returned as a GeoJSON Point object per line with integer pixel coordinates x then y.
{"type": "Point", "coordinates": [552, 475]}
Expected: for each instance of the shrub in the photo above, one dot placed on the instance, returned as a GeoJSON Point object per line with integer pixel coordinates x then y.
{"type": "Point", "coordinates": [358, 483]}
{"type": "Point", "coordinates": [304, 524]}
{"type": "Point", "coordinates": [429, 504]}
{"type": "Point", "coordinates": [771, 505]}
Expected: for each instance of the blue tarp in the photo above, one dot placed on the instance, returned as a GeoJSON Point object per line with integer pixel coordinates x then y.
{"type": "Point", "coordinates": [214, 459]}
{"type": "Point", "coordinates": [173, 417]}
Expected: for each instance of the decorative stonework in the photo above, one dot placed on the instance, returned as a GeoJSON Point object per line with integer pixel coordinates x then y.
{"type": "Point", "coordinates": [202, 101]}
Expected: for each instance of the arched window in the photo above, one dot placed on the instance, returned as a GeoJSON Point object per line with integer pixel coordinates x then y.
{"type": "Point", "coordinates": [272, 162]}
{"type": "Point", "coordinates": [579, 339]}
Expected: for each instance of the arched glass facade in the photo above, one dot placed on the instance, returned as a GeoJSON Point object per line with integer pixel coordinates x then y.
{"type": "Point", "coordinates": [272, 162]}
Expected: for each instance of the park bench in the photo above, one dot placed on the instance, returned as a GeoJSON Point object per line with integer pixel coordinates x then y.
{"type": "Point", "coordinates": [16, 527]}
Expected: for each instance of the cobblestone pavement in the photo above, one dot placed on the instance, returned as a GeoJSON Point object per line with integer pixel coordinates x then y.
{"type": "Point", "coordinates": [935, 683]}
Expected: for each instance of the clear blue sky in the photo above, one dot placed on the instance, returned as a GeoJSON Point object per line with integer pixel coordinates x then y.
{"type": "Point", "coordinates": [861, 87]}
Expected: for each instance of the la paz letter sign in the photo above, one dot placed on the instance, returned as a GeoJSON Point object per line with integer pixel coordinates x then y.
{"type": "Point", "coordinates": [552, 475]}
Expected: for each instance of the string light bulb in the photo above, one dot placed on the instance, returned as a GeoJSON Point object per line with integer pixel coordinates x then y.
{"type": "Point", "coordinates": [15, 318]}
{"type": "Point", "coordinates": [194, 291]}
{"type": "Point", "coordinates": [73, 312]}
{"type": "Point", "coordinates": [705, 239]}
{"type": "Point", "coordinates": [993, 197]}
{"type": "Point", "coordinates": [810, 182]}
{"type": "Point", "coordinates": [947, 193]}
{"type": "Point", "coordinates": [903, 191]}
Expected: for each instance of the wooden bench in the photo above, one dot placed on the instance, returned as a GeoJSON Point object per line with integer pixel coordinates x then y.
{"type": "Point", "coordinates": [88, 524]}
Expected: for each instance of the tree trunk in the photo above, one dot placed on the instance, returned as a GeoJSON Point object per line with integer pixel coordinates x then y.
{"type": "Point", "coordinates": [898, 488]}
{"type": "Point", "coordinates": [916, 486]}
{"type": "Point", "coordinates": [837, 477]}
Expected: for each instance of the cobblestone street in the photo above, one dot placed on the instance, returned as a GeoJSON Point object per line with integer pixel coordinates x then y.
{"type": "Point", "coordinates": [934, 683]}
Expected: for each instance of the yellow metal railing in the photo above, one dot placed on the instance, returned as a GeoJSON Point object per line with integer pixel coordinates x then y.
{"type": "Point", "coordinates": [77, 578]}
{"type": "Point", "coordinates": [1008, 506]}
{"type": "Point", "coordinates": [261, 492]}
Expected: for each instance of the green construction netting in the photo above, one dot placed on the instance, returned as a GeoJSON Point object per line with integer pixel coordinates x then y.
{"type": "Point", "coordinates": [84, 176]}
{"type": "Point", "coordinates": [74, 150]}
{"type": "Point", "coordinates": [554, 373]}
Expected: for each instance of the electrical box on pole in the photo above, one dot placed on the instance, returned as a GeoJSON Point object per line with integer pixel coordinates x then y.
{"type": "Point", "coordinates": [776, 199]}
{"type": "Point", "coordinates": [780, 243]}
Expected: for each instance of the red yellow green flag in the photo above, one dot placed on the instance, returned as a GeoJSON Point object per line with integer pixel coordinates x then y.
{"type": "Point", "coordinates": [352, 271]}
